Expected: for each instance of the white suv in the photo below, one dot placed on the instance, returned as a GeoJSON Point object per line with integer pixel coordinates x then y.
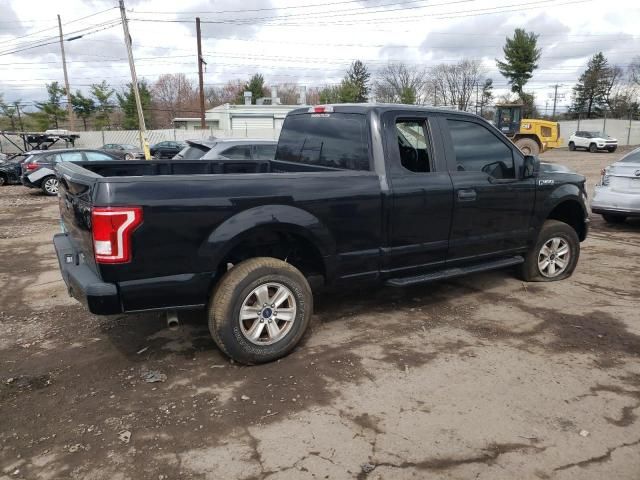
{"type": "Point", "coordinates": [592, 141]}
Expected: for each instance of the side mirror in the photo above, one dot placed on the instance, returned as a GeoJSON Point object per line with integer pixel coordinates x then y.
{"type": "Point", "coordinates": [530, 166]}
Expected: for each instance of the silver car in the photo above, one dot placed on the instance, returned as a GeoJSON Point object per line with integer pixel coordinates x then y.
{"type": "Point", "coordinates": [617, 196]}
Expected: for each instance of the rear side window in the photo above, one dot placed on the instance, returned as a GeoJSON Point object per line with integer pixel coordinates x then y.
{"type": "Point", "coordinates": [479, 150]}
{"type": "Point", "coordinates": [240, 152]}
{"type": "Point", "coordinates": [412, 145]}
{"type": "Point", "coordinates": [265, 152]}
{"type": "Point", "coordinates": [337, 140]}
{"type": "Point", "coordinates": [97, 156]}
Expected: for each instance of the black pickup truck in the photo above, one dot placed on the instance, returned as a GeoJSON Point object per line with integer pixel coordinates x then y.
{"type": "Point", "coordinates": [357, 194]}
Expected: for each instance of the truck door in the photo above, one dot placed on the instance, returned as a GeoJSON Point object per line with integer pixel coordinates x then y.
{"type": "Point", "coordinates": [492, 203]}
{"type": "Point", "coordinates": [422, 194]}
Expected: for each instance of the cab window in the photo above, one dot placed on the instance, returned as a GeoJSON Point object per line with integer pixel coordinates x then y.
{"type": "Point", "coordinates": [478, 150]}
{"type": "Point", "coordinates": [413, 145]}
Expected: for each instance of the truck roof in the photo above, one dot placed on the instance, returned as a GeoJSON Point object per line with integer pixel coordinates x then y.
{"type": "Point", "coordinates": [380, 108]}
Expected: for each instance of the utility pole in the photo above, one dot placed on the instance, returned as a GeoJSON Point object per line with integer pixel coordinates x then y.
{"type": "Point", "coordinates": [72, 122]}
{"type": "Point", "coordinates": [201, 61]}
{"type": "Point", "coordinates": [17, 105]}
{"type": "Point", "coordinates": [555, 99]}
{"type": "Point", "coordinates": [134, 83]}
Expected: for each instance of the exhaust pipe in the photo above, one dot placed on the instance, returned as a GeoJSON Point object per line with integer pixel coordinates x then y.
{"type": "Point", "coordinates": [172, 319]}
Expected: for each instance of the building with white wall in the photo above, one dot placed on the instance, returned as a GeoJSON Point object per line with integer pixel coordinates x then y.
{"type": "Point", "coordinates": [230, 117]}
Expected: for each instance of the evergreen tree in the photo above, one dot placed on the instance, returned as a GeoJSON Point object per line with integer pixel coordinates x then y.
{"type": "Point", "coordinates": [521, 54]}
{"type": "Point", "coordinates": [51, 111]}
{"type": "Point", "coordinates": [357, 79]}
{"type": "Point", "coordinates": [127, 102]}
{"type": "Point", "coordinates": [102, 93]}
{"type": "Point", "coordinates": [83, 107]}
{"type": "Point", "coordinates": [256, 86]}
{"type": "Point", "coordinates": [591, 93]}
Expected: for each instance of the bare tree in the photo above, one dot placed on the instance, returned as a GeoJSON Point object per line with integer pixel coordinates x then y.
{"type": "Point", "coordinates": [174, 95]}
{"type": "Point", "coordinates": [454, 84]}
{"type": "Point", "coordinates": [401, 83]}
{"type": "Point", "coordinates": [228, 93]}
{"type": "Point", "coordinates": [289, 93]}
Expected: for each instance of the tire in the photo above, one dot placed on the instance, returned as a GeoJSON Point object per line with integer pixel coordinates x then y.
{"type": "Point", "coordinates": [528, 146]}
{"type": "Point", "coordinates": [593, 148]}
{"type": "Point", "coordinates": [3, 180]}
{"type": "Point", "coordinates": [615, 219]}
{"type": "Point", "coordinates": [49, 185]}
{"type": "Point", "coordinates": [551, 231]}
{"type": "Point", "coordinates": [611, 150]}
{"type": "Point", "coordinates": [572, 147]}
{"type": "Point", "coordinates": [128, 156]}
{"type": "Point", "coordinates": [246, 285]}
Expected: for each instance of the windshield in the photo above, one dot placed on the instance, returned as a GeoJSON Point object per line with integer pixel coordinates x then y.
{"type": "Point", "coordinates": [337, 140]}
{"type": "Point", "coordinates": [632, 157]}
{"type": "Point", "coordinates": [192, 152]}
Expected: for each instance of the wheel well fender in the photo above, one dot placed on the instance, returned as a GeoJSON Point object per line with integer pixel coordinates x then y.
{"type": "Point", "coordinates": [283, 221]}
{"type": "Point", "coordinates": [535, 138]}
{"type": "Point", "coordinates": [566, 207]}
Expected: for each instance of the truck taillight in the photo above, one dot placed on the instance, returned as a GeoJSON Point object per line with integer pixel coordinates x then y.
{"type": "Point", "coordinates": [111, 228]}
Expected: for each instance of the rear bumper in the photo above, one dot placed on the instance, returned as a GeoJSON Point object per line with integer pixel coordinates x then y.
{"type": "Point", "coordinates": [82, 283]}
{"type": "Point", "coordinates": [25, 181]}
{"type": "Point", "coordinates": [608, 201]}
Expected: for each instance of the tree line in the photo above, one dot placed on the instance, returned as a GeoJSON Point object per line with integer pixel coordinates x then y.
{"type": "Point", "coordinates": [601, 89]}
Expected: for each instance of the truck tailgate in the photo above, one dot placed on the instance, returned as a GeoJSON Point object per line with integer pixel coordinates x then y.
{"type": "Point", "coordinates": [75, 194]}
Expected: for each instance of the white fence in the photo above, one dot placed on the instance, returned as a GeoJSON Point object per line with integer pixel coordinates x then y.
{"type": "Point", "coordinates": [95, 139]}
{"type": "Point", "coordinates": [627, 132]}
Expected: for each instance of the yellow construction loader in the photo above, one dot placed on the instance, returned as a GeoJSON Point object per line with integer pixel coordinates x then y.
{"type": "Point", "coordinates": [531, 136]}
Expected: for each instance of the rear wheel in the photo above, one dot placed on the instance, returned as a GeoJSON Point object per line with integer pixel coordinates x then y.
{"type": "Point", "coordinates": [528, 146]}
{"type": "Point", "coordinates": [128, 156]}
{"type": "Point", "coordinates": [260, 310]}
{"type": "Point", "coordinates": [3, 180]}
{"type": "Point", "coordinates": [50, 185]}
{"type": "Point", "coordinates": [572, 147]}
{"type": "Point", "coordinates": [593, 148]}
{"type": "Point", "coordinates": [614, 218]}
{"type": "Point", "coordinates": [555, 254]}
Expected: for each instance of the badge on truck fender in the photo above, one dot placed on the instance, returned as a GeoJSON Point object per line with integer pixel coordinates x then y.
{"type": "Point", "coordinates": [546, 182]}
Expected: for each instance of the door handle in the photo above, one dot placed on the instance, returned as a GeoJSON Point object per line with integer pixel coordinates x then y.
{"type": "Point", "coordinates": [468, 195]}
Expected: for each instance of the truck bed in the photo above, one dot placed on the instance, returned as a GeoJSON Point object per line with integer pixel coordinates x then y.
{"type": "Point", "coordinates": [146, 168]}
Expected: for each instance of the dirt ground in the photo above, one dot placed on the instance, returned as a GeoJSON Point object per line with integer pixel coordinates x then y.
{"type": "Point", "coordinates": [483, 377]}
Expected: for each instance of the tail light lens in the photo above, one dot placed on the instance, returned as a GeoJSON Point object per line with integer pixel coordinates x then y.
{"type": "Point", "coordinates": [32, 165]}
{"type": "Point", "coordinates": [111, 228]}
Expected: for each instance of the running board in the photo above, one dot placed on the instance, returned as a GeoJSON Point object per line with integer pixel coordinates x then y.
{"type": "Point", "coordinates": [454, 272]}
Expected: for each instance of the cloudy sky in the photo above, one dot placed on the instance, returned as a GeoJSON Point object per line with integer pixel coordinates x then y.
{"type": "Point", "coordinates": [309, 43]}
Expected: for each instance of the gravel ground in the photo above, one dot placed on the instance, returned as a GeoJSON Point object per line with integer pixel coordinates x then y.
{"type": "Point", "coordinates": [484, 377]}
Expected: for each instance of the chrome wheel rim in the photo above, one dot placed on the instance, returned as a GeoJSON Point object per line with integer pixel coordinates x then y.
{"type": "Point", "coordinates": [554, 257]}
{"type": "Point", "coordinates": [51, 186]}
{"type": "Point", "coordinates": [267, 313]}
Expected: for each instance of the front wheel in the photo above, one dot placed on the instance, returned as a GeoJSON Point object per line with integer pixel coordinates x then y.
{"type": "Point", "coordinates": [50, 185]}
{"type": "Point", "coordinates": [593, 148]}
{"type": "Point", "coordinates": [3, 180]}
{"type": "Point", "coordinates": [611, 150]}
{"type": "Point", "coordinates": [260, 310]}
{"type": "Point", "coordinates": [555, 254]}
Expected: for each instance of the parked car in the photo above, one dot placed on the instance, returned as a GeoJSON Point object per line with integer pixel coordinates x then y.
{"type": "Point", "coordinates": [592, 141]}
{"type": "Point", "coordinates": [234, 149]}
{"type": "Point", "coordinates": [168, 149]}
{"type": "Point", "coordinates": [356, 194]}
{"type": "Point", "coordinates": [195, 149]}
{"type": "Point", "coordinates": [123, 150]}
{"type": "Point", "coordinates": [10, 170]}
{"type": "Point", "coordinates": [617, 196]}
{"type": "Point", "coordinates": [38, 170]}
{"type": "Point", "coordinates": [242, 149]}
